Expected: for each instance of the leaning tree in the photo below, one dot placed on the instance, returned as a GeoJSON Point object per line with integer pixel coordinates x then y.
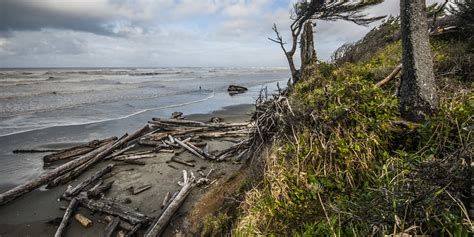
{"type": "Point", "coordinates": [305, 12]}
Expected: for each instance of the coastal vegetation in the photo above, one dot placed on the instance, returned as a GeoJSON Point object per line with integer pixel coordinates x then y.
{"type": "Point", "coordinates": [341, 158]}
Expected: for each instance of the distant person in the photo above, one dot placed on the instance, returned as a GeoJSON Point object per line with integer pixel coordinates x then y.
{"type": "Point", "coordinates": [200, 88]}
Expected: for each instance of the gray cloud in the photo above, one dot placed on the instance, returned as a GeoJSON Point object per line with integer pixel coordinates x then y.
{"type": "Point", "coordinates": [77, 33]}
{"type": "Point", "coordinates": [103, 17]}
{"type": "Point", "coordinates": [19, 15]}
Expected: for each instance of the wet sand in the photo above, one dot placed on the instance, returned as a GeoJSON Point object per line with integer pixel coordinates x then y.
{"type": "Point", "coordinates": [28, 215]}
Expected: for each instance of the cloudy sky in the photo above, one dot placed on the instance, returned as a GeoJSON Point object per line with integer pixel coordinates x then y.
{"type": "Point", "coordinates": [157, 33]}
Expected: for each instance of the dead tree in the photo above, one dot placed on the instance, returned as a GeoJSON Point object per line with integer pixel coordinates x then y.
{"type": "Point", "coordinates": [308, 53]}
{"type": "Point", "coordinates": [417, 94]}
{"type": "Point", "coordinates": [326, 10]}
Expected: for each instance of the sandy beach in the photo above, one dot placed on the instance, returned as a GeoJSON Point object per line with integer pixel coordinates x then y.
{"type": "Point", "coordinates": [28, 216]}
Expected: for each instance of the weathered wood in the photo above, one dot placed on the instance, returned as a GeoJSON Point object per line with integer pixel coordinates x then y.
{"type": "Point", "coordinates": [189, 148]}
{"type": "Point", "coordinates": [134, 230]}
{"type": "Point", "coordinates": [200, 151]}
{"type": "Point", "coordinates": [141, 189]}
{"type": "Point", "coordinates": [132, 162]}
{"type": "Point", "coordinates": [120, 152]}
{"type": "Point", "coordinates": [46, 177]}
{"type": "Point", "coordinates": [79, 187]}
{"type": "Point", "coordinates": [112, 208]}
{"type": "Point", "coordinates": [89, 158]}
{"type": "Point", "coordinates": [166, 199]}
{"type": "Point", "coordinates": [191, 123]}
{"type": "Point", "coordinates": [177, 132]}
{"type": "Point", "coordinates": [133, 157]}
{"type": "Point", "coordinates": [308, 53]}
{"type": "Point", "coordinates": [34, 150]}
{"type": "Point", "coordinates": [159, 225]}
{"type": "Point", "coordinates": [77, 151]}
{"type": "Point", "coordinates": [233, 147]}
{"type": "Point", "coordinates": [122, 224]}
{"type": "Point", "coordinates": [98, 190]}
{"type": "Point", "coordinates": [174, 159]}
{"type": "Point", "coordinates": [67, 214]}
{"type": "Point", "coordinates": [390, 77]}
{"type": "Point", "coordinates": [236, 133]}
{"type": "Point", "coordinates": [84, 221]}
{"type": "Point", "coordinates": [111, 227]}
{"type": "Point", "coordinates": [79, 170]}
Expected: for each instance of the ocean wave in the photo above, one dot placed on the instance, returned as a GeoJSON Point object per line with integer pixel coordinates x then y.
{"type": "Point", "coordinates": [113, 119]}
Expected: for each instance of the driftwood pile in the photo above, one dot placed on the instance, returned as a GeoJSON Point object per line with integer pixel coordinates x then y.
{"type": "Point", "coordinates": [163, 136]}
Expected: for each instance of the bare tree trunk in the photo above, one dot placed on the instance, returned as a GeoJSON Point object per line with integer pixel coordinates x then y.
{"type": "Point", "coordinates": [308, 53]}
{"type": "Point", "coordinates": [417, 94]}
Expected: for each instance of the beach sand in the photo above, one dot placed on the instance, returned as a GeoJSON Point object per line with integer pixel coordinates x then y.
{"type": "Point", "coordinates": [28, 215]}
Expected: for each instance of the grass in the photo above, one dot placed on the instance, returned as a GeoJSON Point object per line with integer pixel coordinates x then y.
{"type": "Point", "coordinates": [351, 166]}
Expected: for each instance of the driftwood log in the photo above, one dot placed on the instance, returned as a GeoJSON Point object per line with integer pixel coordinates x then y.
{"type": "Point", "coordinates": [89, 158]}
{"type": "Point", "coordinates": [109, 230]}
{"type": "Point", "coordinates": [166, 199]}
{"type": "Point", "coordinates": [70, 209]}
{"type": "Point", "coordinates": [140, 189]}
{"type": "Point", "coordinates": [135, 228]}
{"type": "Point", "coordinates": [77, 151]}
{"type": "Point", "coordinates": [83, 220]}
{"type": "Point", "coordinates": [91, 180]}
{"type": "Point", "coordinates": [80, 169]}
{"type": "Point", "coordinates": [34, 150]}
{"type": "Point", "coordinates": [117, 153]}
{"type": "Point", "coordinates": [185, 146]}
{"type": "Point", "coordinates": [99, 189]}
{"type": "Point", "coordinates": [113, 208]}
{"type": "Point", "coordinates": [159, 225]}
{"type": "Point", "coordinates": [179, 161]}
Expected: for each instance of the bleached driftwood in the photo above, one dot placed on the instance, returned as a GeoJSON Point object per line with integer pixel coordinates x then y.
{"type": "Point", "coordinates": [182, 144]}
{"type": "Point", "coordinates": [159, 225]}
{"type": "Point", "coordinates": [67, 214]}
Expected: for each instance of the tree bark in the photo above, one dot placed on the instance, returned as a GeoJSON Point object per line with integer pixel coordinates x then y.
{"type": "Point", "coordinates": [308, 53]}
{"type": "Point", "coordinates": [417, 94]}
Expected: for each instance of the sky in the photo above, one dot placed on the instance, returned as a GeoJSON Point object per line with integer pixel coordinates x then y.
{"type": "Point", "coordinates": [159, 33]}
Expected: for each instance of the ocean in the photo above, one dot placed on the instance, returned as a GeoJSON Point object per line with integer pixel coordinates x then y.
{"type": "Point", "coordinates": [59, 108]}
{"type": "Point", "coordinates": [32, 99]}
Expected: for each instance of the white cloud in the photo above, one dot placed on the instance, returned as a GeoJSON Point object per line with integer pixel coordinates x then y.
{"type": "Point", "coordinates": [162, 33]}
{"type": "Point", "coordinates": [192, 7]}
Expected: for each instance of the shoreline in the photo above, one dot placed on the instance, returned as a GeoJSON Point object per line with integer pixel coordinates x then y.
{"type": "Point", "coordinates": [27, 215]}
{"type": "Point", "coordinates": [18, 168]}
